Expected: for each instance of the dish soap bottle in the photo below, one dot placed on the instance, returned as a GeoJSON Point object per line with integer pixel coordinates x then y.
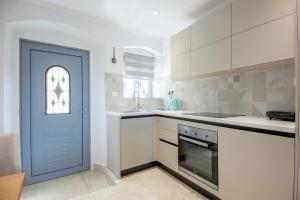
{"type": "Point", "coordinates": [174, 104]}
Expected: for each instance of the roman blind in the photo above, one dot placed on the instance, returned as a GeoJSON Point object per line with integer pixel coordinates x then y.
{"type": "Point", "coordinates": [139, 66]}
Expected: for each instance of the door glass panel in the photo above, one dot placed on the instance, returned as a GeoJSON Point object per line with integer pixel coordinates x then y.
{"type": "Point", "coordinates": [201, 161]}
{"type": "Point", "coordinates": [198, 159]}
{"type": "Point", "coordinates": [58, 90]}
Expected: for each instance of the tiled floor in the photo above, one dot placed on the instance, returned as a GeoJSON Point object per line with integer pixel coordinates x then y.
{"type": "Point", "coordinates": [151, 184]}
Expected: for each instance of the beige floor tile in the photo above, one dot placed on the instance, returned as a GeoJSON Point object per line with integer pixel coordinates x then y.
{"type": "Point", "coordinates": [125, 191]}
{"type": "Point", "coordinates": [29, 192]}
{"type": "Point", "coordinates": [165, 186]}
{"type": "Point", "coordinates": [151, 184]}
{"type": "Point", "coordinates": [76, 186]}
{"type": "Point", "coordinates": [94, 180]}
{"type": "Point", "coordinates": [62, 188]}
{"type": "Point", "coordinates": [83, 197]}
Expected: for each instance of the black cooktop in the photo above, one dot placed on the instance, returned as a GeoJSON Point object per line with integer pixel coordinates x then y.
{"type": "Point", "coordinates": [214, 115]}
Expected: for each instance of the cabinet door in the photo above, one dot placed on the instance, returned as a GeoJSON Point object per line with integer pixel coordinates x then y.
{"type": "Point", "coordinates": [270, 42]}
{"type": "Point", "coordinates": [212, 58]}
{"type": "Point", "coordinates": [214, 27]}
{"type": "Point", "coordinates": [181, 42]}
{"type": "Point", "coordinates": [180, 66]}
{"type": "Point", "coordinates": [247, 14]}
{"type": "Point", "coordinates": [255, 166]}
{"type": "Point", "coordinates": [168, 155]}
{"type": "Point", "coordinates": [136, 142]}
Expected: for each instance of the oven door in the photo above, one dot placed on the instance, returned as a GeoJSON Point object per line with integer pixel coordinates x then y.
{"type": "Point", "coordinates": [199, 159]}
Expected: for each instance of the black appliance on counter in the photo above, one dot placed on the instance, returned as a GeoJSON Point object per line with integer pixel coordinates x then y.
{"type": "Point", "coordinates": [198, 154]}
{"type": "Point", "coordinates": [282, 115]}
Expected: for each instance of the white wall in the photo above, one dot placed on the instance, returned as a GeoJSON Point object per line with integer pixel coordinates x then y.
{"type": "Point", "coordinates": [45, 23]}
{"type": "Point", "coordinates": [164, 68]}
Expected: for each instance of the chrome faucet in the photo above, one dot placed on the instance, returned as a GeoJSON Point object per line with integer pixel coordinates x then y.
{"type": "Point", "coordinates": [137, 96]}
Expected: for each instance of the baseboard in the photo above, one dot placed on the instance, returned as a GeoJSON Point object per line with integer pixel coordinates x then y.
{"type": "Point", "coordinates": [138, 168]}
{"type": "Point", "coordinates": [110, 177]}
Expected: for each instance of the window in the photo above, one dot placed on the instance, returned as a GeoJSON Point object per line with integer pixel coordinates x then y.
{"type": "Point", "coordinates": [58, 90]}
{"type": "Point", "coordinates": [138, 72]}
{"type": "Point", "coordinates": [132, 86]}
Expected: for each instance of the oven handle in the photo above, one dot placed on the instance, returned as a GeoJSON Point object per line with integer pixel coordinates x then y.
{"type": "Point", "coordinates": [203, 144]}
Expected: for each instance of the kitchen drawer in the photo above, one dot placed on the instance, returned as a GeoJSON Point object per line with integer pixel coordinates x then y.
{"type": "Point", "coordinates": [166, 123]}
{"type": "Point", "coordinates": [170, 136]}
{"type": "Point", "coordinates": [168, 155]}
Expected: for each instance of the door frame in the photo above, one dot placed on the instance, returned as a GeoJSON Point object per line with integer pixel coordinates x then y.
{"type": "Point", "coordinates": [297, 89]}
{"type": "Point", "coordinates": [25, 108]}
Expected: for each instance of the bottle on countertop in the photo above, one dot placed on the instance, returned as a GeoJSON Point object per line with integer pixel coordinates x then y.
{"type": "Point", "coordinates": [174, 104]}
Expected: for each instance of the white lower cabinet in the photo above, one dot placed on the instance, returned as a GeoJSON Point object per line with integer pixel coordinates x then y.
{"type": "Point", "coordinates": [168, 155]}
{"type": "Point", "coordinates": [252, 166]}
{"type": "Point", "coordinates": [255, 166]}
{"type": "Point", "coordinates": [136, 142]}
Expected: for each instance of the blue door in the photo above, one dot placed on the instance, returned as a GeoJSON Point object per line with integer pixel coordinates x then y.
{"type": "Point", "coordinates": [54, 111]}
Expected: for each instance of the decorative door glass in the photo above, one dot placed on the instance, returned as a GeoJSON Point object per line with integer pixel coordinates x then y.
{"type": "Point", "coordinates": [58, 90]}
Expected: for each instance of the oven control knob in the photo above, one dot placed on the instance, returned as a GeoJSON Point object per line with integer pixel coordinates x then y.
{"type": "Point", "coordinates": [205, 136]}
{"type": "Point", "coordinates": [195, 133]}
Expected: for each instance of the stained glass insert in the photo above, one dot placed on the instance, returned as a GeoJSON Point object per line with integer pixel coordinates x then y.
{"type": "Point", "coordinates": [58, 90]}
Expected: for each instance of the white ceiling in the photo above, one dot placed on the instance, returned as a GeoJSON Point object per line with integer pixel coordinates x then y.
{"type": "Point", "coordinates": [137, 15]}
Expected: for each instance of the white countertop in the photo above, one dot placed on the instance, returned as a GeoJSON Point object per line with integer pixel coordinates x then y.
{"type": "Point", "coordinates": [244, 121]}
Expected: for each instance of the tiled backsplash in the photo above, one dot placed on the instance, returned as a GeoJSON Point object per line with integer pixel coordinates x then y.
{"type": "Point", "coordinates": [114, 96]}
{"type": "Point", "coordinates": [250, 93]}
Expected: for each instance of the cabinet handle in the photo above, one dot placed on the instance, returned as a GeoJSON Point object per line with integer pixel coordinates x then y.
{"type": "Point", "coordinates": [162, 140]}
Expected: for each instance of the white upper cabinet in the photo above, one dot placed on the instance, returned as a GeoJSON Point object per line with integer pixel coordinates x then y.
{"type": "Point", "coordinates": [242, 34]}
{"type": "Point", "coordinates": [270, 42]}
{"type": "Point", "coordinates": [181, 42]}
{"type": "Point", "coordinates": [213, 27]}
{"type": "Point", "coordinates": [212, 58]}
{"type": "Point", "coordinates": [180, 66]}
{"type": "Point", "coordinates": [247, 14]}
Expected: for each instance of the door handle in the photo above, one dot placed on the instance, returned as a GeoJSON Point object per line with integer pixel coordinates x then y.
{"type": "Point", "coordinates": [84, 110]}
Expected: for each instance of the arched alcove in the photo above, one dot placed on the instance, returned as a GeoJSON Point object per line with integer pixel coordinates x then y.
{"type": "Point", "coordinates": [142, 50]}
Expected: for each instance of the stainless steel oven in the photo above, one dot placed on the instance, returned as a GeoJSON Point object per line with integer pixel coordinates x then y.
{"type": "Point", "coordinates": [198, 154]}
